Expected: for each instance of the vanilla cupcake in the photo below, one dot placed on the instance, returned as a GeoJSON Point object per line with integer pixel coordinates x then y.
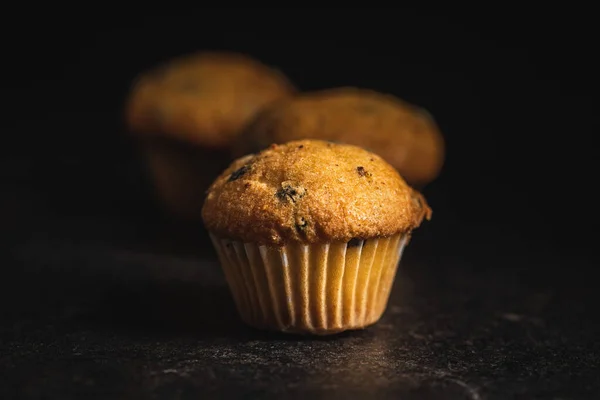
{"type": "Point", "coordinates": [310, 234]}
{"type": "Point", "coordinates": [186, 114]}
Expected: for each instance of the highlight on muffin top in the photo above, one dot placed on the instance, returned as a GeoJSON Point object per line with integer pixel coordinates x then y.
{"type": "Point", "coordinates": [405, 135]}
{"type": "Point", "coordinates": [204, 97]}
{"type": "Point", "coordinates": [311, 191]}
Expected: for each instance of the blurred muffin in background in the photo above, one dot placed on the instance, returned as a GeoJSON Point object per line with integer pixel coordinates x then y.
{"type": "Point", "coordinates": [186, 114]}
{"type": "Point", "coordinates": [405, 135]}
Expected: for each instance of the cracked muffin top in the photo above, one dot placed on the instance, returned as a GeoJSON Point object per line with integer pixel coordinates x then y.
{"type": "Point", "coordinates": [311, 191]}
{"type": "Point", "coordinates": [405, 135]}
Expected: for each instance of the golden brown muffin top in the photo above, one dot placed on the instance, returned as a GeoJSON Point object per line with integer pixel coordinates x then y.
{"type": "Point", "coordinates": [311, 191]}
{"type": "Point", "coordinates": [203, 98]}
{"type": "Point", "coordinates": [406, 136]}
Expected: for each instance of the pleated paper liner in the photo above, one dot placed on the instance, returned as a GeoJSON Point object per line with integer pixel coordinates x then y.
{"type": "Point", "coordinates": [311, 289]}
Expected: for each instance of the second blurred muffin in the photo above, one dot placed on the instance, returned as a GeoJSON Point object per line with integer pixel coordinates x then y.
{"type": "Point", "coordinates": [186, 114]}
{"type": "Point", "coordinates": [405, 135]}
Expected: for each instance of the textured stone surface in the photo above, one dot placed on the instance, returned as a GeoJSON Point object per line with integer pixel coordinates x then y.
{"type": "Point", "coordinates": [90, 317]}
{"type": "Point", "coordinates": [98, 299]}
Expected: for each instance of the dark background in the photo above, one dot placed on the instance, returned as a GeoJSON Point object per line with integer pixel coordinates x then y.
{"type": "Point", "coordinates": [513, 90]}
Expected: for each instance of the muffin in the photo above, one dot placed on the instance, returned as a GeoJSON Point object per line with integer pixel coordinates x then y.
{"type": "Point", "coordinates": [405, 135]}
{"type": "Point", "coordinates": [186, 114]}
{"type": "Point", "coordinates": [310, 233]}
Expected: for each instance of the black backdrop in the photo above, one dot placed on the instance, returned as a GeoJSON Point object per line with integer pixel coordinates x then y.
{"type": "Point", "coordinates": [496, 293]}
{"type": "Point", "coordinates": [511, 89]}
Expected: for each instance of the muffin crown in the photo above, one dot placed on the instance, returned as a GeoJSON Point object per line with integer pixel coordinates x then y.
{"type": "Point", "coordinates": [405, 135]}
{"type": "Point", "coordinates": [204, 98]}
{"type": "Point", "coordinates": [311, 191]}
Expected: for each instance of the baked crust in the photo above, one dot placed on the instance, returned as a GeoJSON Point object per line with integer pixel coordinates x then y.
{"type": "Point", "coordinates": [311, 191]}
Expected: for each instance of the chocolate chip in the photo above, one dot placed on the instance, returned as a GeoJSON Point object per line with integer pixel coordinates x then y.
{"type": "Point", "coordinates": [301, 146]}
{"type": "Point", "coordinates": [372, 159]}
{"type": "Point", "coordinates": [362, 171]}
{"type": "Point", "coordinates": [238, 173]}
{"type": "Point", "coordinates": [290, 191]}
{"type": "Point", "coordinates": [354, 242]}
{"type": "Point", "coordinates": [301, 224]}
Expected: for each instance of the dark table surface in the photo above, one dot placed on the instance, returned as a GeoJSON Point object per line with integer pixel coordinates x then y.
{"type": "Point", "coordinates": [96, 303]}
{"type": "Point", "coordinates": [495, 298]}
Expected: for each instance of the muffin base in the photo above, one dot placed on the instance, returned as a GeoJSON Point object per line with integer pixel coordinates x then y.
{"type": "Point", "coordinates": [311, 289]}
{"type": "Point", "coordinates": [181, 174]}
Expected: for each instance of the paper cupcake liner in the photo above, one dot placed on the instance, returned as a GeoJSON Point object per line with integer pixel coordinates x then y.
{"type": "Point", "coordinates": [315, 289]}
